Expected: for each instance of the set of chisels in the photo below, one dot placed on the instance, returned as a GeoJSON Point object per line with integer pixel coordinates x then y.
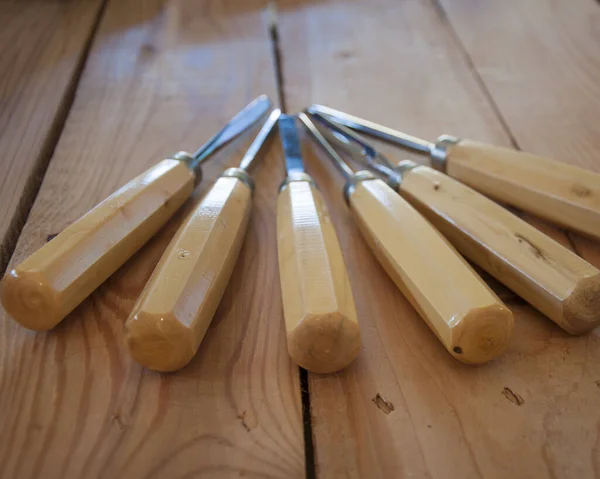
{"type": "Point", "coordinates": [420, 222]}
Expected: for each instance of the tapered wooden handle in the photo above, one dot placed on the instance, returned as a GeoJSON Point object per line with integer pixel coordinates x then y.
{"type": "Point", "coordinates": [549, 276]}
{"type": "Point", "coordinates": [175, 309]}
{"type": "Point", "coordinates": [561, 193]}
{"type": "Point", "coordinates": [48, 285]}
{"type": "Point", "coordinates": [320, 317]}
{"type": "Point", "coordinates": [463, 312]}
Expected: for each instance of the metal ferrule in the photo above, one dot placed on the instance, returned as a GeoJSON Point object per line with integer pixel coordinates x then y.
{"type": "Point", "coordinates": [241, 175]}
{"type": "Point", "coordinates": [402, 168]}
{"type": "Point", "coordinates": [350, 185]}
{"type": "Point", "coordinates": [393, 178]}
{"type": "Point", "coordinates": [191, 163]}
{"type": "Point", "coordinates": [296, 176]}
{"type": "Point", "coordinates": [439, 152]}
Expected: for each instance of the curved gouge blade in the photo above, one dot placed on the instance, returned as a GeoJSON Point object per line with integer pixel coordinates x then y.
{"type": "Point", "coordinates": [564, 194]}
{"type": "Point", "coordinates": [320, 317]}
{"type": "Point", "coordinates": [173, 313]}
{"type": "Point", "coordinates": [550, 277]}
{"type": "Point", "coordinates": [43, 289]}
{"type": "Point", "coordinates": [357, 148]}
{"type": "Point", "coordinates": [48, 285]}
{"type": "Point", "coordinates": [175, 309]}
{"type": "Point", "coordinates": [459, 307]}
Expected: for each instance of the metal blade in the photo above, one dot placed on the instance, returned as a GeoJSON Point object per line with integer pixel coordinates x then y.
{"type": "Point", "coordinates": [261, 139]}
{"type": "Point", "coordinates": [360, 150]}
{"type": "Point", "coordinates": [290, 142]}
{"type": "Point", "coordinates": [324, 139]}
{"type": "Point", "coordinates": [253, 112]}
{"type": "Point", "coordinates": [378, 131]}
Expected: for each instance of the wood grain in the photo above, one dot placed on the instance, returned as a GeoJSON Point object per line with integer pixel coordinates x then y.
{"type": "Point", "coordinates": [552, 278]}
{"type": "Point", "coordinates": [563, 194]}
{"type": "Point", "coordinates": [42, 49]}
{"type": "Point", "coordinates": [404, 407]}
{"type": "Point", "coordinates": [540, 63]}
{"type": "Point", "coordinates": [162, 76]}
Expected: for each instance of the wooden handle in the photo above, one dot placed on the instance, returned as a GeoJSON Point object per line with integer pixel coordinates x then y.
{"type": "Point", "coordinates": [564, 194]}
{"type": "Point", "coordinates": [459, 307]}
{"type": "Point", "coordinates": [49, 284]}
{"type": "Point", "coordinates": [320, 318]}
{"type": "Point", "coordinates": [555, 280]}
{"type": "Point", "coordinates": [173, 313]}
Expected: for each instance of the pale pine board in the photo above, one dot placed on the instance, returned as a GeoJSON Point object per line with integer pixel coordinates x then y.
{"type": "Point", "coordinates": [397, 63]}
{"type": "Point", "coordinates": [540, 61]}
{"type": "Point", "coordinates": [42, 46]}
{"type": "Point", "coordinates": [162, 76]}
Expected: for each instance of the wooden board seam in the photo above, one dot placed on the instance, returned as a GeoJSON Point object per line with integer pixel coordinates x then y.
{"type": "Point", "coordinates": [34, 182]}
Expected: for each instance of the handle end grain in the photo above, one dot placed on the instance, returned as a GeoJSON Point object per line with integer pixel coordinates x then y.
{"type": "Point", "coordinates": [30, 300]}
{"type": "Point", "coordinates": [324, 343]}
{"type": "Point", "coordinates": [159, 341]}
{"type": "Point", "coordinates": [581, 309]}
{"type": "Point", "coordinates": [482, 334]}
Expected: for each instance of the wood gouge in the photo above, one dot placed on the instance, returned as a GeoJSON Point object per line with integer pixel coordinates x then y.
{"type": "Point", "coordinates": [464, 313]}
{"type": "Point", "coordinates": [322, 329]}
{"type": "Point", "coordinates": [564, 194]}
{"type": "Point", "coordinates": [49, 284]}
{"type": "Point", "coordinates": [177, 305]}
{"type": "Point", "coordinates": [550, 277]}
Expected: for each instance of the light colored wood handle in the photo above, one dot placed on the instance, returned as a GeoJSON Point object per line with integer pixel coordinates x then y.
{"type": "Point", "coordinates": [177, 305]}
{"type": "Point", "coordinates": [464, 313]}
{"type": "Point", "coordinates": [320, 317]}
{"type": "Point", "coordinates": [48, 285]}
{"type": "Point", "coordinates": [561, 193]}
{"type": "Point", "coordinates": [549, 276]}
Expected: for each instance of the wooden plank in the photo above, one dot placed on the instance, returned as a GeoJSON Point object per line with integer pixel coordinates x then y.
{"type": "Point", "coordinates": [540, 62]}
{"type": "Point", "coordinates": [405, 407]}
{"type": "Point", "coordinates": [42, 50]}
{"type": "Point", "coordinates": [162, 76]}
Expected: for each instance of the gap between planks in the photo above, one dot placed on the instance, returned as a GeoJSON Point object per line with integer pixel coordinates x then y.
{"type": "Point", "coordinates": [439, 8]}
{"type": "Point", "coordinates": [34, 182]}
{"type": "Point", "coordinates": [277, 60]}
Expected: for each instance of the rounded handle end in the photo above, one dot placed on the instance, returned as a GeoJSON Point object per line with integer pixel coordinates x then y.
{"type": "Point", "coordinates": [159, 341]}
{"type": "Point", "coordinates": [482, 334]}
{"type": "Point", "coordinates": [30, 301]}
{"type": "Point", "coordinates": [324, 343]}
{"type": "Point", "coordinates": [581, 309]}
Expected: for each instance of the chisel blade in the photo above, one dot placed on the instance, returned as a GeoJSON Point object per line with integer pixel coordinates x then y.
{"type": "Point", "coordinates": [290, 142]}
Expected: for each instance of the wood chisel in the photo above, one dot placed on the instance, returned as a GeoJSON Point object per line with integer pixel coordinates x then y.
{"type": "Point", "coordinates": [49, 284]}
{"type": "Point", "coordinates": [564, 194]}
{"type": "Point", "coordinates": [464, 313]}
{"type": "Point", "coordinates": [552, 278]}
{"type": "Point", "coordinates": [320, 317]}
{"type": "Point", "coordinates": [177, 305]}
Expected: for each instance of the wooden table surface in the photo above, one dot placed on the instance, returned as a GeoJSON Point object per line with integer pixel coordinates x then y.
{"type": "Point", "coordinates": [93, 92]}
